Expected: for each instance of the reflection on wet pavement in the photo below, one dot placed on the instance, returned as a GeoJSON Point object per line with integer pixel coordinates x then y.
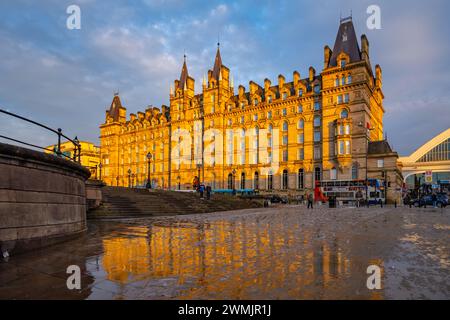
{"type": "Point", "coordinates": [276, 253]}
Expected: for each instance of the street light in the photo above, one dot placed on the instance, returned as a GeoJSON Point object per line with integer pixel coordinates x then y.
{"type": "Point", "coordinates": [100, 167]}
{"type": "Point", "coordinates": [360, 124]}
{"type": "Point", "coordinates": [199, 166]}
{"type": "Point", "coordinates": [129, 178]}
{"type": "Point", "coordinates": [149, 184]}
{"type": "Point", "coordinates": [234, 178]}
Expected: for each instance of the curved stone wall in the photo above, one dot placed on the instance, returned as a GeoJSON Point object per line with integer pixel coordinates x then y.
{"type": "Point", "coordinates": [42, 198]}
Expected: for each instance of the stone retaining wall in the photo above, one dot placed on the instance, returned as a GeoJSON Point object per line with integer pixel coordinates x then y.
{"type": "Point", "coordinates": [42, 198]}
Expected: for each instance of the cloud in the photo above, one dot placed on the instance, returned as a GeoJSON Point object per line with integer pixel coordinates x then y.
{"type": "Point", "coordinates": [67, 78]}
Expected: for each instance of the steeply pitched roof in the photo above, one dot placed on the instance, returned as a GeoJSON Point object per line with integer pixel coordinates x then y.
{"type": "Point", "coordinates": [346, 41]}
{"type": "Point", "coordinates": [116, 104]}
{"type": "Point", "coordinates": [217, 65]}
{"type": "Point", "coordinates": [379, 147]}
{"type": "Point", "coordinates": [184, 75]}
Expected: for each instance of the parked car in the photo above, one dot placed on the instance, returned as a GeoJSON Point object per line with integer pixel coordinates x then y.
{"type": "Point", "coordinates": [277, 199]}
{"type": "Point", "coordinates": [441, 201]}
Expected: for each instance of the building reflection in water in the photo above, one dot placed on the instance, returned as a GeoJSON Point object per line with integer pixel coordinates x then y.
{"type": "Point", "coordinates": [242, 258]}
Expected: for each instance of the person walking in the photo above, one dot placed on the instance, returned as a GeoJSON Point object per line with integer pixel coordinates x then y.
{"type": "Point", "coordinates": [310, 200]}
{"type": "Point", "coordinates": [202, 189]}
{"type": "Point", "coordinates": [434, 199]}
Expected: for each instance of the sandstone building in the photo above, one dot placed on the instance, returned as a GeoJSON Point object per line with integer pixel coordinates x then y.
{"type": "Point", "coordinates": [273, 136]}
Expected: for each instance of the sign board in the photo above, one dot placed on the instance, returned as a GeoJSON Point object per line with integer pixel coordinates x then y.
{"type": "Point", "coordinates": [428, 176]}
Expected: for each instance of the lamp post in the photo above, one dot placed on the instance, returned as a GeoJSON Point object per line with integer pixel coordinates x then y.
{"type": "Point", "coordinates": [149, 158]}
{"type": "Point", "coordinates": [100, 168]}
{"type": "Point", "coordinates": [360, 124]}
{"type": "Point", "coordinates": [117, 180]}
{"type": "Point", "coordinates": [234, 178]}
{"type": "Point", "coordinates": [129, 178]}
{"type": "Point", "coordinates": [132, 179]}
{"type": "Point", "coordinates": [76, 150]}
{"type": "Point", "coordinates": [199, 167]}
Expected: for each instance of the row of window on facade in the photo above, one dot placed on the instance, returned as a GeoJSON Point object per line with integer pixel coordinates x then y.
{"type": "Point", "coordinates": [285, 178]}
{"type": "Point", "coordinates": [343, 80]}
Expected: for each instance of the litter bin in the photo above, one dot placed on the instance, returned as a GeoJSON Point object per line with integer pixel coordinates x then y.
{"type": "Point", "coordinates": [332, 202]}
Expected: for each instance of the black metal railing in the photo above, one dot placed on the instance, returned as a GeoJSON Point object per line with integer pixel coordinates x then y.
{"type": "Point", "coordinates": [76, 144]}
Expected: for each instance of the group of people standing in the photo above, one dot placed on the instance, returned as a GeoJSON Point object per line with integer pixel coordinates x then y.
{"type": "Point", "coordinates": [201, 189]}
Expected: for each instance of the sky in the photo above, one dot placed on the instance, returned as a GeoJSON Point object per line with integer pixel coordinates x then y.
{"type": "Point", "coordinates": [66, 78]}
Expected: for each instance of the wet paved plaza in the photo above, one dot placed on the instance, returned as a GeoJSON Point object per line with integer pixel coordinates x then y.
{"type": "Point", "coordinates": [284, 252]}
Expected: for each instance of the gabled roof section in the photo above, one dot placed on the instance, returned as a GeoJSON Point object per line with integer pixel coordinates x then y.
{"type": "Point", "coordinates": [346, 41]}
{"type": "Point", "coordinates": [379, 147]}
{"type": "Point", "coordinates": [217, 65]}
{"type": "Point", "coordinates": [184, 75]}
{"type": "Point", "coordinates": [116, 104]}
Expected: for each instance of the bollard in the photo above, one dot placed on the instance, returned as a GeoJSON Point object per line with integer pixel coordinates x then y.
{"type": "Point", "coordinates": [395, 204]}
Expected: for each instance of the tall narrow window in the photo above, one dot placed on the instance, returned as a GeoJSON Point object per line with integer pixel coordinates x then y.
{"type": "Point", "coordinates": [270, 181]}
{"type": "Point", "coordinates": [301, 154]}
{"type": "Point", "coordinates": [316, 121]}
{"type": "Point", "coordinates": [355, 171]}
{"type": "Point", "coordinates": [317, 174]}
{"type": "Point", "coordinates": [285, 126]}
{"type": "Point", "coordinates": [301, 178]}
{"type": "Point", "coordinates": [285, 180]}
{"type": "Point", "coordinates": [344, 114]}
{"type": "Point", "coordinates": [230, 181]}
{"type": "Point", "coordinates": [256, 181]}
{"type": "Point", "coordinates": [300, 124]}
{"type": "Point", "coordinates": [243, 180]}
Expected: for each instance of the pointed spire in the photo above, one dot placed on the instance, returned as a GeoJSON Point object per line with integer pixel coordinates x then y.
{"type": "Point", "coordinates": [116, 104]}
{"type": "Point", "coordinates": [346, 41]}
{"type": "Point", "coordinates": [184, 75]}
{"type": "Point", "coordinates": [217, 63]}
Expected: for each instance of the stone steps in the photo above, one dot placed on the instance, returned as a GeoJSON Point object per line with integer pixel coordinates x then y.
{"type": "Point", "coordinates": [125, 202]}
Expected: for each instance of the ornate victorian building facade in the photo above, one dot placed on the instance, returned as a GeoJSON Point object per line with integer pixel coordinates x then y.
{"type": "Point", "coordinates": [271, 136]}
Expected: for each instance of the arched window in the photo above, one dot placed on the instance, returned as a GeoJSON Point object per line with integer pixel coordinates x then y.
{"type": "Point", "coordinates": [355, 171]}
{"type": "Point", "coordinates": [317, 174]}
{"type": "Point", "coordinates": [349, 79]}
{"type": "Point", "coordinates": [344, 114]}
{"type": "Point", "coordinates": [285, 126]}
{"type": "Point", "coordinates": [300, 124]}
{"type": "Point", "coordinates": [243, 180]}
{"type": "Point", "coordinates": [270, 181]}
{"type": "Point", "coordinates": [301, 178]}
{"type": "Point", "coordinates": [256, 181]}
{"type": "Point", "coordinates": [317, 121]}
{"type": "Point", "coordinates": [230, 181]}
{"type": "Point", "coordinates": [285, 180]}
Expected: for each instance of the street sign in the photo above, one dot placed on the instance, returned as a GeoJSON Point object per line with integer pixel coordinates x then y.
{"type": "Point", "coordinates": [428, 176]}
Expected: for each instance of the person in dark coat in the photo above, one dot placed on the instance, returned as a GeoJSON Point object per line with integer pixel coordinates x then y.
{"type": "Point", "coordinates": [310, 200]}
